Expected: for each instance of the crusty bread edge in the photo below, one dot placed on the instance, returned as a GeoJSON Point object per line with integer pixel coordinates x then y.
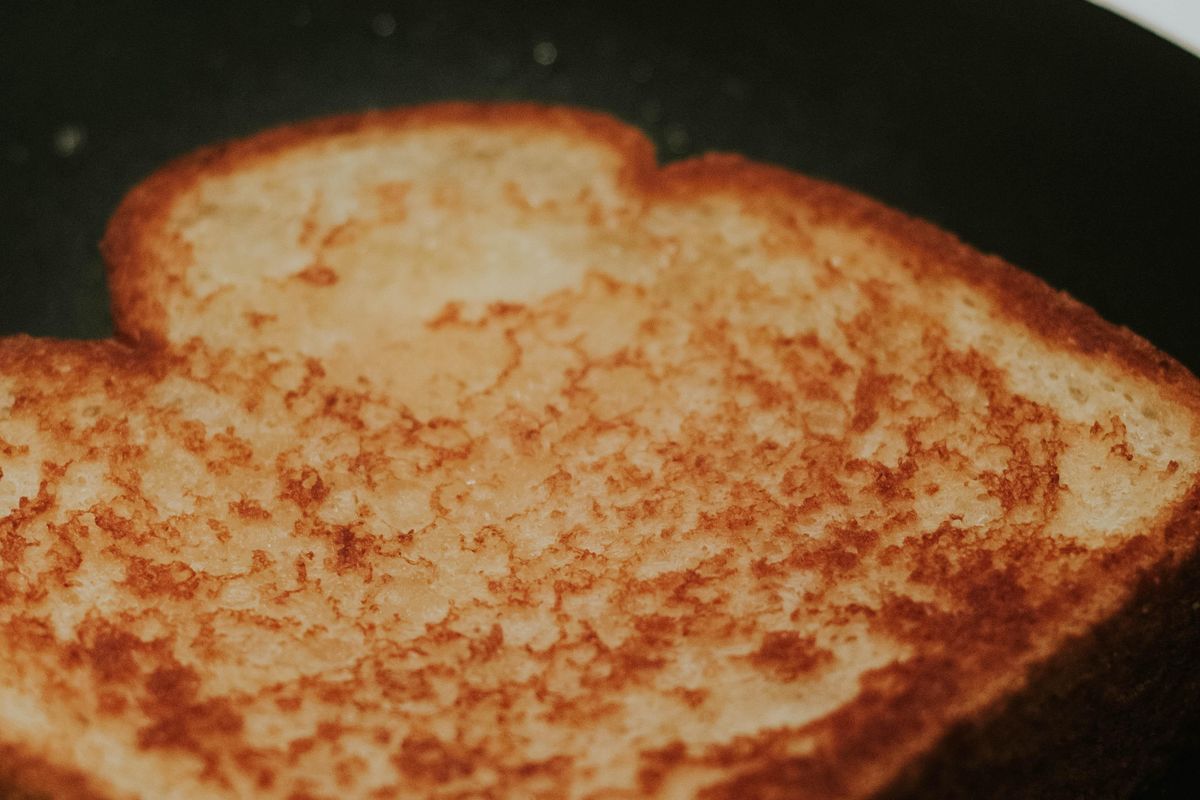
{"type": "Point", "coordinates": [33, 770]}
{"type": "Point", "coordinates": [136, 240]}
{"type": "Point", "coordinates": [1095, 718]}
{"type": "Point", "coordinates": [930, 252]}
{"type": "Point", "coordinates": [135, 237]}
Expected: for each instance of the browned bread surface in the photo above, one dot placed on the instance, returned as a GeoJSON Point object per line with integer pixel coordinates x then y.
{"type": "Point", "coordinates": [461, 451]}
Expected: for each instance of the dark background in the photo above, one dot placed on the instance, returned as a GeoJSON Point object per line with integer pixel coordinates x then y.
{"type": "Point", "coordinates": [1049, 131]}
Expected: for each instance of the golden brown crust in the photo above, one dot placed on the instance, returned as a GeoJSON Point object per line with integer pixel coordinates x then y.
{"type": "Point", "coordinates": [135, 233]}
{"type": "Point", "coordinates": [932, 251]}
{"type": "Point", "coordinates": [1097, 717]}
{"type": "Point", "coordinates": [135, 229]}
{"type": "Point", "coordinates": [1083, 725]}
{"type": "Point", "coordinates": [906, 701]}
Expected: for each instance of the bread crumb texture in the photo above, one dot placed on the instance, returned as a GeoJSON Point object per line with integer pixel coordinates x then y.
{"type": "Point", "coordinates": [466, 454]}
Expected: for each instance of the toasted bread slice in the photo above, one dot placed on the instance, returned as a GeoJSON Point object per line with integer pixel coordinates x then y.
{"type": "Point", "coordinates": [462, 451]}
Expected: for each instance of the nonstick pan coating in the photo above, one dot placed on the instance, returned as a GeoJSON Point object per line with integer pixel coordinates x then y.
{"type": "Point", "coordinates": [1051, 132]}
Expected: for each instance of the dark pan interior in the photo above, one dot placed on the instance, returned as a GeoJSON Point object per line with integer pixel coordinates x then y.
{"type": "Point", "coordinates": [1054, 133]}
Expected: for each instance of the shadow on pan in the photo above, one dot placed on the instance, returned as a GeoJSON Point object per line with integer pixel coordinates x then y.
{"type": "Point", "coordinates": [1053, 133]}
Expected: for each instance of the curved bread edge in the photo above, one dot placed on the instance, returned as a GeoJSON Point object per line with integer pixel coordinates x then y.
{"type": "Point", "coordinates": [138, 276]}
{"type": "Point", "coordinates": [1094, 719]}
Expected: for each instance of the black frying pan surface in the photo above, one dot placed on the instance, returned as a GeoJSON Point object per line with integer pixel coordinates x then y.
{"type": "Point", "coordinates": [1056, 134]}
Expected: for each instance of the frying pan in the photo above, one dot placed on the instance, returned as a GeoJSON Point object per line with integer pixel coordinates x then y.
{"type": "Point", "coordinates": [1051, 132]}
